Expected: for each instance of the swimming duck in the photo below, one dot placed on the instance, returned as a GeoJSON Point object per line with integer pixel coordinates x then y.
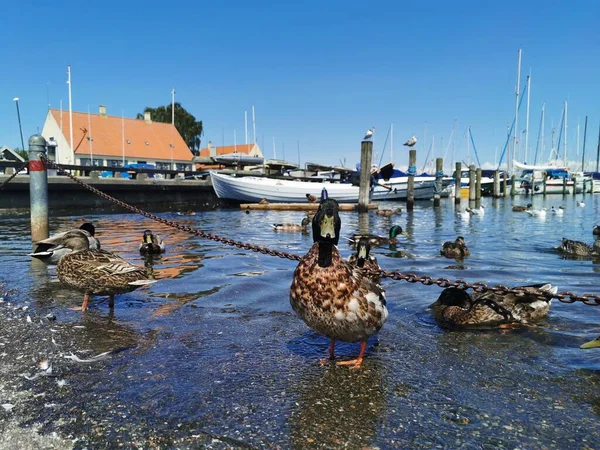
{"type": "Point", "coordinates": [97, 272]}
{"type": "Point", "coordinates": [477, 211]}
{"type": "Point", "coordinates": [311, 198]}
{"type": "Point", "coordinates": [581, 203]}
{"type": "Point", "coordinates": [520, 208]}
{"type": "Point", "coordinates": [363, 259]}
{"type": "Point", "coordinates": [331, 296]}
{"type": "Point", "coordinates": [263, 201]}
{"type": "Point", "coordinates": [465, 215]}
{"type": "Point", "coordinates": [579, 248]}
{"type": "Point", "coordinates": [292, 226]}
{"type": "Point", "coordinates": [376, 241]}
{"type": "Point", "coordinates": [537, 212]}
{"type": "Point", "coordinates": [46, 250]}
{"type": "Point", "coordinates": [558, 211]}
{"type": "Point", "coordinates": [456, 308]}
{"type": "Point", "coordinates": [388, 212]}
{"type": "Point", "coordinates": [151, 244]}
{"type": "Point", "coordinates": [457, 249]}
{"type": "Point", "coordinates": [596, 230]}
{"type": "Point", "coordinates": [592, 344]}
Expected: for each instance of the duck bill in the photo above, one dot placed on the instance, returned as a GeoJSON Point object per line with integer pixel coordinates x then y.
{"type": "Point", "coordinates": [328, 227]}
{"type": "Point", "coordinates": [592, 344]}
{"type": "Point", "coordinates": [148, 239]}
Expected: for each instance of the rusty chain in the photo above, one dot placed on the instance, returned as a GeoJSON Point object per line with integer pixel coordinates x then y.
{"type": "Point", "coordinates": [9, 179]}
{"type": "Point", "coordinates": [479, 287]}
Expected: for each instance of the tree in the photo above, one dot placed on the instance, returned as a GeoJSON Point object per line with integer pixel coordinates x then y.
{"type": "Point", "coordinates": [187, 125]}
{"type": "Point", "coordinates": [22, 153]}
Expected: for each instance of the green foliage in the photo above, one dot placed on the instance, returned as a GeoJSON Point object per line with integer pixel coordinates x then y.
{"type": "Point", "coordinates": [187, 125]}
{"type": "Point", "coordinates": [22, 153]}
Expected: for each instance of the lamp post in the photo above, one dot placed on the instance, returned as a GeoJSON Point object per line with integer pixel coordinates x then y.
{"type": "Point", "coordinates": [16, 100]}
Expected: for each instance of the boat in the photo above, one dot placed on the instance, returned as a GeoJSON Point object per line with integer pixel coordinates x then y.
{"type": "Point", "coordinates": [238, 159]}
{"type": "Point", "coordinates": [394, 186]}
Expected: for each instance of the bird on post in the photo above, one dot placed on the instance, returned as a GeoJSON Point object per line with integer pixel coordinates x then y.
{"type": "Point", "coordinates": [369, 133]}
{"type": "Point", "coordinates": [331, 296]}
{"type": "Point", "coordinates": [411, 142]}
{"type": "Point", "coordinates": [311, 198]}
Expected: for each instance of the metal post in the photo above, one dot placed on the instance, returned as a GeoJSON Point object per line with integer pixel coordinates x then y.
{"type": "Point", "coordinates": [16, 100]}
{"type": "Point", "coordinates": [38, 188]}
{"type": "Point", "coordinates": [496, 184]}
{"type": "Point", "coordinates": [457, 183]}
{"type": "Point", "coordinates": [366, 152]}
{"type": "Point", "coordinates": [410, 195]}
{"type": "Point", "coordinates": [439, 171]}
{"type": "Point", "coordinates": [478, 184]}
{"type": "Point", "coordinates": [472, 183]}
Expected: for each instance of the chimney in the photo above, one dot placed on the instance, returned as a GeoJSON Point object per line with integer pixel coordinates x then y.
{"type": "Point", "coordinates": [102, 110]}
{"type": "Point", "coordinates": [147, 117]}
{"type": "Point", "coordinates": [212, 150]}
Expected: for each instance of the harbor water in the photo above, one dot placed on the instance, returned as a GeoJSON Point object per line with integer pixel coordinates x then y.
{"type": "Point", "coordinates": [212, 355]}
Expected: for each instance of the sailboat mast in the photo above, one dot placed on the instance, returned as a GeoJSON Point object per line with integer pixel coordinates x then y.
{"type": "Point", "coordinates": [246, 125]}
{"type": "Point", "coordinates": [598, 151]}
{"type": "Point", "coordinates": [566, 111]}
{"type": "Point", "coordinates": [253, 126]}
{"type": "Point", "coordinates": [90, 138]}
{"type": "Point", "coordinates": [392, 144]}
{"type": "Point", "coordinates": [274, 154]}
{"type": "Point", "coordinates": [516, 134]}
{"type": "Point", "coordinates": [468, 146]}
{"type": "Point", "coordinates": [584, 138]}
{"type": "Point", "coordinates": [123, 136]}
{"type": "Point", "coordinates": [542, 143]}
{"type": "Point", "coordinates": [527, 120]}
{"type": "Point", "coordinates": [70, 116]}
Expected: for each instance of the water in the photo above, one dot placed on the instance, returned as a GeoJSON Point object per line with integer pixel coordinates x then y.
{"type": "Point", "coordinates": [212, 355]}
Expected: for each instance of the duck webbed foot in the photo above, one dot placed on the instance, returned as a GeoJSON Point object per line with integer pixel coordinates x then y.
{"type": "Point", "coordinates": [355, 363]}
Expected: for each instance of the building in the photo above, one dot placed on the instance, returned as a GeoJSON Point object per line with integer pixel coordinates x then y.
{"type": "Point", "coordinates": [212, 151]}
{"type": "Point", "coordinates": [112, 141]}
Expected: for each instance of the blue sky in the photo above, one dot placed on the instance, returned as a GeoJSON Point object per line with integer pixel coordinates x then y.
{"type": "Point", "coordinates": [320, 73]}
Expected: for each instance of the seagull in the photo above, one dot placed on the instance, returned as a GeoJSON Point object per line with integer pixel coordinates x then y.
{"type": "Point", "coordinates": [369, 133]}
{"type": "Point", "coordinates": [411, 142]}
{"type": "Point", "coordinates": [581, 204]}
{"type": "Point", "coordinates": [537, 212]}
{"type": "Point", "coordinates": [477, 211]}
{"type": "Point", "coordinates": [558, 211]}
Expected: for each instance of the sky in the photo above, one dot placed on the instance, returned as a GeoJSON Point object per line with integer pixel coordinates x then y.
{"type": "Point", "coordinates": [318, 73]}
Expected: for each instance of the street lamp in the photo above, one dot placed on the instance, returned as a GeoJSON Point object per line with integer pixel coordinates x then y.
{"type": "Point", "coordinates": [16, 100]}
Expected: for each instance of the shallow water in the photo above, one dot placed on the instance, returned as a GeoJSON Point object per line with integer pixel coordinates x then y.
{"type": "Point", "coordinates": [213, 349]}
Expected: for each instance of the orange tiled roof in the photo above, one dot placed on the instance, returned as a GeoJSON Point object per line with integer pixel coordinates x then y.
{"type": "Point", "coordinates": [241, 148]}
{"type": "Point", "coordinates": [106, 132]}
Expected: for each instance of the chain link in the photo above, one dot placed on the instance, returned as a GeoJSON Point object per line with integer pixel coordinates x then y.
{"type": "Point", "coordinates": [565, 297]}
{"type": "Point", "coordinates": [9, 179]}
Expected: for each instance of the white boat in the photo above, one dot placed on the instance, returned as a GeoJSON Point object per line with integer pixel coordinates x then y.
{"type": "Point", "coordinates": [235, 159]}
{"type": "Point", "coordinates": [396, 188]}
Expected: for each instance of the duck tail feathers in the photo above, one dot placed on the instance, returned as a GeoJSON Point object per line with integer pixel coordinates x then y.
{"type": "Point", "coordinates": [141, 282]}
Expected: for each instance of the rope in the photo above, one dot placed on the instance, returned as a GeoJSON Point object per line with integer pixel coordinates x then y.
{"type": "Point", "coordinates": [565, 297]}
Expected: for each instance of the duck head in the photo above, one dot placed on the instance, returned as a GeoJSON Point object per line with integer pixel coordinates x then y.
{"type": "Point", "coordinates": [75, 240]}
{"type": "Point", "coordinates": [460, 241]}
{"type": "Point", "coordinates": [305, 222]}
{"type": "Point", "coordinates": [326, 230]}
{"type": "Point", "coordinates": [395, 231]}
{"type": "Point", "coordinates": [596, 230]}
{"type": "Point", "coordinates": [89, 228]}
{"type": "Point", "coordinates": [363, 248]}
{"type": "Point", "coordinates": [455, 297]}
{"type": "Point", "coordinates": [148, 237]}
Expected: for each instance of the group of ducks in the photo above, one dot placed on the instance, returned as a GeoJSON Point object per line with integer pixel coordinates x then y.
{"type": "Point", "coordinates": [82, 265]}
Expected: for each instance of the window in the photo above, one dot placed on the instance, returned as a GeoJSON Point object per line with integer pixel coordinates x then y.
{"type": "Point", "coordinates": [85, 162]}
{"type": "Point", "coordinates": [163, 165]}
{"type": "Point", "coordinates": [115, 162]}
{"type": "Point", "coordinates": [184, 167]}
{"type": "Point", "coordinates": [98, 162]}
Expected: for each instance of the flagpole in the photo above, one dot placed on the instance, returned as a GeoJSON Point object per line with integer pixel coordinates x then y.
{"type": "Point", "coordinates": [172, 123]}
{"type": "Point", "coordinates": [70, 115]}
{"type": "Point", "coordinates": [123, 136]}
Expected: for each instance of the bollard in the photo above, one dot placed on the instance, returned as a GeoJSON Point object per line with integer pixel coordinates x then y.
{"type": "Point", "coordinates": [504, 184]}
{"type": "Point", "coordinates": [478, 184]}
{"type": "Point", "coordinates": [457, 183]}
{"type": "Point", "coordinates": [496, 192]}
{"type": "Point", "coordinates": [439, 173]}
{"type": "Point", "coordinates": [366, 152]}
{"type": "Point", "coordinates": [38, 188]}
{"type": "Point", "coordinates": [412, 171]}
{"type": "Point", "coordinates": [472, 184]}
{"type": "Point", "coordinates": [564, 186]}
{"type": "Point", "coordinates": [513, 187]}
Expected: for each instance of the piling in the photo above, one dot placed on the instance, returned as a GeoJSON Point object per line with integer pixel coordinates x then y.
{"type": "Point", "coordinates": [38, 188]}
{"type": "Point", "coordinates": [439, 174]}
{"type": "Point", "coordinates": [478, 184]}
{"type": "Point", "coordinates": [496, 191]}
{"type": "Point", "coordinates": [366, 153]}
{"type": "Point", "coordinates": [575, 186]}
{"type": "Point", "coordinates": [412, 171]}
{"type": "Point", "coordinates": [504, 184]}
{"type": "Point", "coordinates": [457, 183]}
{"type": "Point", "coordinates": [472, 183]}
{"type": "Point", "coordinates": [564, 186]}
{"type": "Point", "coordinates": [513, 185]}
{"type": "Point", "coordinates": [544, 183]}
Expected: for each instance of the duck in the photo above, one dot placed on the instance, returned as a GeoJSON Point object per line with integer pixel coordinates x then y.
{"type": "Point", "coordinates": [388, 212]}
{"type": "Point", "coordinates": [465, 215]}
{"type": "Point", "coordinates": [263, 201]}
{"type": "Point", "coordinates": [477, 211]}
{"type": "Point", "coordinates": [292, 226]}
{"type": "Point", "coordinates": [311, 198]}
{"type": "Point", "coordinates": [151, 244]}
{"type": "Point", "coordinates": [521, 208]}
{"type": "Point", "coordinates": [457, 249]}
{"type": "Point", "coordinates": [186, 213]}
{"type": "Point", "coordinates": [334, 298]}
{"type": "Point", "coordinates": [558, 211]}
{"type": "Point", "coordinates": [591, 344]}
{"type": "Point", "coordinates": [596, 230]}
{"type": "Point", "coordinates": [377, 241]}
{"type": "Point", "coordinates": [580, 203]}
{"type": "Point", "coordinates": [579, 248]}
{"type": "Point", "coordinates": [537, 212]}
{"type": "Point", "coordinates": [456, 308]}
{"type": "Point", "coordinates": [97, 272]}
{"type": "Point", "coordinates": [363, 259]}
{"type": "Point", "coordinates": [46, 250]}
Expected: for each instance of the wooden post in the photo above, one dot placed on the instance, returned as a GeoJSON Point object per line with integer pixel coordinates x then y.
{"type": "Point", "coordinates": [472, 183]}
{"type": "Point", "coordinates": [504, 184]}
{"type": "Point", "coordinates": [38, 188]}
{"type": "Point", "coordinates": [478, 184]}
{"type": "Point", "coordinates": [565, 186]}
{"type": "Point", "coordinates": [496, 192]}
{"type": "Point", "coordinates": [574, 179]}
{"type": "Point", "coordinates": [513, 187]}
{"type": "Point", "coordinates": [439, 172]}
{"type": "Point", "coordinates": [544, 182]}
{"type": "Point", "coordinates": [457, 184]}
{"type": "Point", "coordinates": [366, 152]}
{"type": "Point", "coordinates": [412, 170]}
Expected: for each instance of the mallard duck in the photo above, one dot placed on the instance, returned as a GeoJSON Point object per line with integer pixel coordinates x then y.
{"type": "Point", "coordinates": [97, 272]}
{"type": "Point", "coordinates": [537, 212]}
{"type": "Point", "coordinates": [521, 208]}
{"type": "Point", "coordinates": [581, 203]}
{"type": "Point", "coordinates": [388, 212]}
{"type": "Point", "coordinates": [311, 198]}
{"type": "Point", "coordinates": [292, 226]}
{"type": "Point", "coordinates": [376, 241]}
{"type": "Point", "coordinates": [363, 259]}
{"type": "Point", "coordinates": [457, 249]}
{"type": "Point", "coordinates": [592, 344]}
{"type": "Point", "coordinates": [151, 244]}
{"type": "Point", "coordinates": [477, 211]}
{"type": "Point", "coordinates": [456, 308]}
{"type": "Point", "coordinates": [263, 201]}
{"type": "Point", "coordinates": [46, 250]}
{"type": "Point", "coordinates": [557, 211]}
{"type": "Point", "coordinates": [579, 248]}
{"type": "Point", "coordinates": [596, 230]}
{"type": "Point", "coordinates": [331, 296]}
